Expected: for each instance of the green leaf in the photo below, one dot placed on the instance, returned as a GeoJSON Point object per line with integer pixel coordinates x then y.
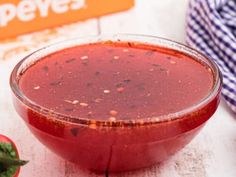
{"type": "Point", "coordinates": [9, 162]}
{"type": "Point", "coordinates": [8, 149]}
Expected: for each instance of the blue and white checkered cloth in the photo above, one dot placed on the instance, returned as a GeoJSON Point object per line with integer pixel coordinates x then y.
{"type": "Point", "coordinates": [211, 29]}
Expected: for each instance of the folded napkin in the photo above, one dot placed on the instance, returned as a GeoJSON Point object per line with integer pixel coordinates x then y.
{"type": "Point", "coordinates": [211, 29]}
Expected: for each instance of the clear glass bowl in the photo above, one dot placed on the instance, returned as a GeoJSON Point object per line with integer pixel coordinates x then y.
{"type": "Point", "coordinates": [125, 144]}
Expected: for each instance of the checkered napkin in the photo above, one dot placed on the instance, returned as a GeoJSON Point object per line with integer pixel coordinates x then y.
{"type": "Point", "coordinates": [211, 29]}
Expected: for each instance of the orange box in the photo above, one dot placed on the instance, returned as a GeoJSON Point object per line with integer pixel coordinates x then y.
{"type": "Point", "coordinates": [23, 16]}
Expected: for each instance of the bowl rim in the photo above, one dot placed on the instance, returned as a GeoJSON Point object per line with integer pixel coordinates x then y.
{"type": "Point", "coordinates": [141, 39]}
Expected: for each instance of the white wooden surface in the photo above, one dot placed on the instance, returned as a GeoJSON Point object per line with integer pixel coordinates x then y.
{"type": "Point", "coordinates": [211, 154]}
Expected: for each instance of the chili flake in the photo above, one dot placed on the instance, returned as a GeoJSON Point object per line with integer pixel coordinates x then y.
{"type": "Point", "coordinates": [120, 89]}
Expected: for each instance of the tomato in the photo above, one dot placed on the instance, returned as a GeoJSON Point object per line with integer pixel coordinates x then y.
{"type": "Point", "coordinates": [9, 158]}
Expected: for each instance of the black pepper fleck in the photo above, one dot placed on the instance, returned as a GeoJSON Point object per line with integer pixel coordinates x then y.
{"type": "Point", "coordinates": [56, 83]}
{"type": "Point", "coordinates": [85, 62]}
{"type": "Point", "coordinates": [141, 87]}
{"type": "Point", "coordinates": [131, 56]}
{"type": "Point", "coordinates": [162, 69]}
{"type": "Point", "coordinates": [74, 131]}
{"type": "Point", "coordinates": [97, 73]}
{"type": "Point", "coordinates": [133, 106]}
{"type": "Point", "coordinates": [89, 84]}
{"type": "Point", "coordinates": [45, 68]}
{"type": "Point", "coordinates": [69, 109]}
{"type": "Point", "coordinates": [150, 52]}
{"type": "Point", "coordinates": [127, 81]}
{"type": "Point", "coordinates": [119, 85]}
{"type": "Point", "coordinates": [70, 60]}
{"type": "Point", "coordinates": [156, 65]}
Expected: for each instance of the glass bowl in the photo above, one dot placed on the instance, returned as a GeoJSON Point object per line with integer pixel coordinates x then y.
{"type": "Point", "coordinates": [123, 145]}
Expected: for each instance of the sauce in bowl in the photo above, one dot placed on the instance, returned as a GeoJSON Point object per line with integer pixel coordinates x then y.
{"type": "Point", "coordinates": [115, 106]}
{"type": "Point", "coordinates": [117, 82]}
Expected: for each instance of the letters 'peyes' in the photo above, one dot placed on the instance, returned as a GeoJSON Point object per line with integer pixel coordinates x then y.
{"type": "Point", "coordinates": [28, 10]}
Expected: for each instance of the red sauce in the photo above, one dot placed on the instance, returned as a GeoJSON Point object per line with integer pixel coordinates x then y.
{"type": "Point", "coordinates": [111, 82]}
{"type": "Point", "coordinates": [103, 81]}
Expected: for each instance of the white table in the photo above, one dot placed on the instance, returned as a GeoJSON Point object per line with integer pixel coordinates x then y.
{"type": "Point", "coordinates": [211, 154]}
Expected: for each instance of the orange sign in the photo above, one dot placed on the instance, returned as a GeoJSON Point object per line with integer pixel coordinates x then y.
{"type": "Point", "coordinates": [23, 16]}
